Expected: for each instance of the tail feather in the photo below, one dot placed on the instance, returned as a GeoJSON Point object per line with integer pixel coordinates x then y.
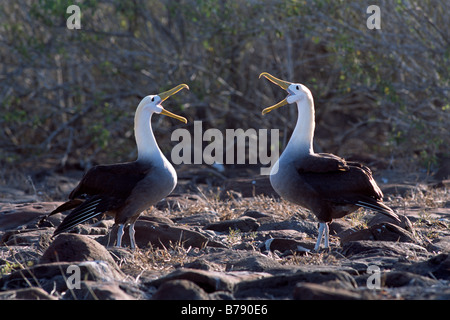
{"type": "Point", "coordinates": [67, 206]}
{"type": "Point", "coordinates": [64, 207]}
{"type": "Point", "coordinates": [91, 208]}
{"type": "Point", "coordinates": [378, 207]}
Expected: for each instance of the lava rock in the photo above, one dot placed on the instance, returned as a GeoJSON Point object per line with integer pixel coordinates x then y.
{"type": "Point", "coordinates": [282, 286]}
{"type": "Point", "coordinates": [288, 245]}
{"type": "Point", "coordinates": [437, 266]}
{"type": "Point", "coordinates": [257, 263]}
{"type": "Point", "coordinates": [16, 216]}
{"type": "Point", "coordinates": [378, 232]}
{"type": "Point", "coordinates": [255, 214]}
{"type": "Point", "coordinates": [314, 291]}
{"type": "Point", "coordinates": [180, 290]}
{"type": "Point", "coordinates": [395, 279]}
{"type": "Point", "coordinates": [95, 290]}
{"type": "Point", "coordinates": [381, 248]}
{"type": "Point", "coordinates": [27, 237]}
{"type": "Point", "coordinates": [32, 293]}
{"type": "Point", "coordinates": [209, 281]}
{"type": "Point", "coordinates": [381, 219]}
{"type": "Point", "coordinates": [441, 244]}
{"type": "Point", "coordinates": [53, 276]}
{"type": "Point", "coordinates": [69, 247]}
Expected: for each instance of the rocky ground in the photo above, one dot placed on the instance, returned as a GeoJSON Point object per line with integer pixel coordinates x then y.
{"type": "Point", "coordinates": [229, 240]}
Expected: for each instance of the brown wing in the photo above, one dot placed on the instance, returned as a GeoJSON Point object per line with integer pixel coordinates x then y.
{"type": "Point", "coordinates": [114, 180]}
{"type": "Point", "coordinates": [321, 163]}
{"type": "Point", "coordinates": [342, 183]}
{"type": "Point", "coordinates": [103, 188]}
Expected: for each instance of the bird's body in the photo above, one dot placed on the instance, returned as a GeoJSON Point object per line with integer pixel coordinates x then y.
{"type": "Point", "coordinates": [326, 184]}
{"type": "Point", "coordinates": [125, 190]}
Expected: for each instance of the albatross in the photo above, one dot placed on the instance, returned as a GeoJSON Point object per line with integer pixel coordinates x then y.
{"type": "Point", "coordinates": [324, 183]}
{"type": "Point", "coordinates": [124, 190]}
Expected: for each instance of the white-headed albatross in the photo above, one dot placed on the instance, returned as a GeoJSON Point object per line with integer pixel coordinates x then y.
{"type": "Point", "coordinates": [124, 190]}
{"type": "Point", "coordinates": [324, 183]}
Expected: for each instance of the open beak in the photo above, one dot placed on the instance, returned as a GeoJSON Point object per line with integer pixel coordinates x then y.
{"type": "Point", "coordinates": [283, 84]}
{"type": "Point", "coordinates": [167, 94]}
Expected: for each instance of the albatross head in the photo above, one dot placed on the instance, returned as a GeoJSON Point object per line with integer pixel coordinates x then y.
{"type": "Point", "coordinates": [296, 92]}
{"type": "Point", "coordinates": [152, 103]}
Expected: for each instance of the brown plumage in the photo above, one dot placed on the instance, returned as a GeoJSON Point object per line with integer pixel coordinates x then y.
{"type": "Point", "coordinates": [324, 183]}
{"type": "Point", "coordinates": [109, 189]}
{"type": "Point", "coordinates": [124, 190]}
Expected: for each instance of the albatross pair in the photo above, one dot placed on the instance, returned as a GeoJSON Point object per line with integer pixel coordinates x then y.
{"type": "Point", "coordinates": [324, 183]}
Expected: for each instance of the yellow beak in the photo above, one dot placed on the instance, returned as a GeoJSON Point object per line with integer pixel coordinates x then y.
{"type": "Point", "coordinates": [167, 94]}
{"type": "Point", "coordinates": [283, 84]}
{"type": "Point", "coordinates": [173, 115]}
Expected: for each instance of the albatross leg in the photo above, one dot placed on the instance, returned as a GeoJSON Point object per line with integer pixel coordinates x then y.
{"type": "Point", "coordinates": [119, 235]}
{"type": "Point", "coordinates": [322, 226]}
{"type": "Point", "coordinates": [326, 236]}
{"type": "Point", "coordinates": [132, 239]}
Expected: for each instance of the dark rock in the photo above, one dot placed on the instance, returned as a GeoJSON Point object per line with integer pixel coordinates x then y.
{"type": "Point", "coordinates": [180, 290]}
{"type": "Point", "coordinates": [354, 249]}
{"type": "Point", "coordinates": [338, 226]}
{"type": "Point", "coordinates": [351, 235]}
{"type": "Point", "coordinates": [438, 267]}
{"type": "Point", "coordinates": [201, 264]}
{"type": "Point", "coordinates": [95, 290]}
{"type": "Point", "coordinates": [27, 237]}
{"type": "Point", "coordinates": [314, 291]}
{"type": "Point", "coordinates": [282, 286]}
{"type": "Point", "coordinates": [52, 276]}
{"type": "Point", "coordinates": [69, 247]}
{"type": "Point", "coordinates": [394, 279]}
{"type": "Point", "coordinates": [379, 232]}
{"type": "Point", "coordinates": [224, 256]}
{"type": "Point", "coordinates": [290, 245]}
{"type": "Point", "coordinates": [441, 244]}
{"type": "Point", "coordinates": [244, 245]}
{"type": "Point", "coordinates": [442, 271]}
{"type": "Point", "coordinates": [244, 224]}
{"type": "Point", "coordinates": [257, 263]}
{"type": "Point", "coordinates": [391, 232]}
{"type": "Point", "coordinates": [14, 216]}
{"type": "Point", "coordinates": [209, 281]}
{"type": "Point", "coordinates": [255, 214]}
{"type": "Point", "coordinates": [33, 293]}
{"type": "Point", "coordinates": [382, 219]}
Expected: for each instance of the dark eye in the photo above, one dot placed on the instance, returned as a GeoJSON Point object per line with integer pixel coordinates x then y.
{"type": "Point", "coordinates": [297, 88]}
{"type": "Point", "coordinates": [153, 99]}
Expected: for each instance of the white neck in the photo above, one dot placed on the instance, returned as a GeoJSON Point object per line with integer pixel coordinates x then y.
{"type": "Point", "coordinates": [301, 142]}
{"type": "Point", "coordinates": [148, 149]}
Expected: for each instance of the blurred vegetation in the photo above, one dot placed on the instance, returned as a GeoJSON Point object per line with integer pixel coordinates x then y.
{"type": "Point", "coordinates": [69, 96]}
